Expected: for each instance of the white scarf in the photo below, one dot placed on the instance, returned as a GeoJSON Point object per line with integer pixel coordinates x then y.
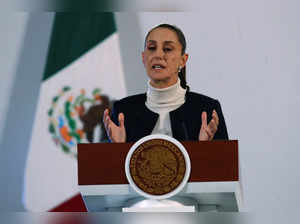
{"type": "Point", "coordinates": [162, 101]}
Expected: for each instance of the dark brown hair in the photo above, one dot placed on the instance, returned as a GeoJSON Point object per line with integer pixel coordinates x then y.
{"type": "Point", "coordinates": [182, 41]}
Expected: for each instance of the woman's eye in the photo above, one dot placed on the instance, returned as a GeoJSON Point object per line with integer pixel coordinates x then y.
{"type": "Point", "coordinates": [167, 49]}
{"type": "Point", "coordinates": [151, 48]}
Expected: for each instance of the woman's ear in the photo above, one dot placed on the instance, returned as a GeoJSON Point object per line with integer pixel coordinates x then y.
{"type": "Point", "coordinates": [184, 58]}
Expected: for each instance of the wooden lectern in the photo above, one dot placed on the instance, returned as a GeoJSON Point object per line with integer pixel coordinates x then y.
{"type": "Point", "coordinates": [214, 178]}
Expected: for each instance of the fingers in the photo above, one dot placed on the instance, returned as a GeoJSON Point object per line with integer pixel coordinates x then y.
{"type": "Point", "coordinates": [213, 125]}
{"type": "Point", "coordinates": [121, 120]}
{"type": "Point", "coordinates": [204, 119]}
{"type": "Point", "coordinates": [211, 128]}
{"type": "Point", "coordinates": [205, 133]}
{"type": "Point", "coordinates": [106, 117]}
{"type": "Point", "coordinates": [115, 133]}
{"type": "Point", "coordinates": [215, 117]}
{"type": "Point", "coordinates": [209, 133]}
{"type": "Point", "coordinates": [106, 122]}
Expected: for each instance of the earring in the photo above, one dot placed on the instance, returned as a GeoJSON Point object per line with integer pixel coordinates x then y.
{"type": "Point", "coordinates": [179, 69]}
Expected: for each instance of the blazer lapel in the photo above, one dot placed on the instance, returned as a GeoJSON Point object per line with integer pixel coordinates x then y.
{"type": "Point", "coordinates": [179, 124]}
{"type": "Point", "coordinates": [145, 120]}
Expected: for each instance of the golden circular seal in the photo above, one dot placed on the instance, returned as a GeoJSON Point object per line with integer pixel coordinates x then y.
{"type": "Point", "coordinates": [157, 166]}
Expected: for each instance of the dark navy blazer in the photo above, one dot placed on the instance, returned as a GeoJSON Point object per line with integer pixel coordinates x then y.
{"type": "Point", "coordinates": [185, 120]}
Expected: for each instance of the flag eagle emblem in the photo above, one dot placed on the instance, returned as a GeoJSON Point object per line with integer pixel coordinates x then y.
{"type": "Point", "coordinates": [76, 119]}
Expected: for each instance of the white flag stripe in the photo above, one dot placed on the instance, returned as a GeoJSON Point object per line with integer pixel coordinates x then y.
{"type": "Point", "coordinates": [51, 175]}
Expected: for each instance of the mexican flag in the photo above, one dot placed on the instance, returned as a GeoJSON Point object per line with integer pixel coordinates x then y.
{"type": "Point", "coordinates": [83, 76]}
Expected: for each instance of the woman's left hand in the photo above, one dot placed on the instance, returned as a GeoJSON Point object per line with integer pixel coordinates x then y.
{"type": "Point", "coordinates": [208, 131]}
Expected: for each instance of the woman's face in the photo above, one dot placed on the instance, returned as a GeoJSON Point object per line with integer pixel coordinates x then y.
{"type": "Point", "coordinates": [162, 57]}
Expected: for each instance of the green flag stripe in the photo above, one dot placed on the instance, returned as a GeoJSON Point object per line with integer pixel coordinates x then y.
{"type": "Point", "coordinates": [73, 34]}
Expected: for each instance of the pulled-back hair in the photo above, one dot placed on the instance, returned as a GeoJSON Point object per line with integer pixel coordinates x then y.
{"type": "Point", "coordinates": [182, 41]}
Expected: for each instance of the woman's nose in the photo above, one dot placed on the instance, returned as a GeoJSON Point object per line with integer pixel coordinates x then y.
{"type": "Point", "coordinates": [159, 53]}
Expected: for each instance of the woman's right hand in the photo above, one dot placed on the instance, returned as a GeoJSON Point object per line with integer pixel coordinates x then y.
{"type": "Point", "coordinates": [115, 133]}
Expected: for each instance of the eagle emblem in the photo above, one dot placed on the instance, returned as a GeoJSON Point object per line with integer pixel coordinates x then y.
{"type": "Point", "coordinates": [77, 119]}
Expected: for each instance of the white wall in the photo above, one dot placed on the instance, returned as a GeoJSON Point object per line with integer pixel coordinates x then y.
{"type": "Point", "coordinates": [246, 54]}
{"type": "Point", "coordinates": [12, 27]}
{"type": "Point", "coordinates": [23, 42]}
{"type": "Point", "coordinates": [130, 41]}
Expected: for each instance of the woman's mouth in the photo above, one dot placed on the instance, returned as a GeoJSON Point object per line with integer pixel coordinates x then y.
{"type": "Point", "coordinates": [158, 67]}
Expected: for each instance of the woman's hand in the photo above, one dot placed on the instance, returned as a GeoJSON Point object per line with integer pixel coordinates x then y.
{"type": "Point", "coordinates": [115, 133]}
{"type": "Point", "coordinates": [207, 132]}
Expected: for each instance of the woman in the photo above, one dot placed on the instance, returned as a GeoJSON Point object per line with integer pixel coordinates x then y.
{"type": "Point", "coordinates": [168, 107]}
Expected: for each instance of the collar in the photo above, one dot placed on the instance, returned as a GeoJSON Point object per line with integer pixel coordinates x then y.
{"type": "Point", "coordinates": [166, 97]}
